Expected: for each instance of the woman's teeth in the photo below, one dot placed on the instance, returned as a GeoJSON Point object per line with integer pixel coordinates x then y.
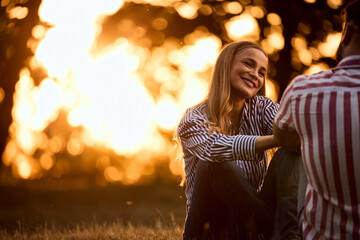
{"type": "Point", "coordinates": [250, 83]}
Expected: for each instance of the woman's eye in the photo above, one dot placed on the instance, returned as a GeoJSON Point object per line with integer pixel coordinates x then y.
{"type": "Point", "coordinates": [262, 74]}
{"type": "Point", "coordinates": [247, 64]}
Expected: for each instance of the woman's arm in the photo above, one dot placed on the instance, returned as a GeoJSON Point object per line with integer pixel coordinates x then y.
{"type": "Point", "coordinates": [215, 147]}
{"type": "Point", "coordinates": [263, 143]}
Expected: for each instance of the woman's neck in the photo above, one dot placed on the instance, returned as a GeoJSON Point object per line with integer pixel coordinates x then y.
{"type": "Point", "coordinates": [238, 105]}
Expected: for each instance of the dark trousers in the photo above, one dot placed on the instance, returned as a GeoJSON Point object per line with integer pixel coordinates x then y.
{"type": "Point", "coordinates": [224, 203]}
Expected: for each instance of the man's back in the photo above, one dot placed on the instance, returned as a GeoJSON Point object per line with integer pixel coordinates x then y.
{"type": "Point", "coordinates": [325, 111]}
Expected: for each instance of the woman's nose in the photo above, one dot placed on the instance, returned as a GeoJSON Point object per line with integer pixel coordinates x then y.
{"type": "Point", "coordinates": [254, 75]}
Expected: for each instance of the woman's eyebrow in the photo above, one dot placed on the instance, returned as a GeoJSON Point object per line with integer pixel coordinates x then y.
{"type": "Point", "coordinates": [253, 61]}
{"type": "Point", "coordinates": [248, 58]}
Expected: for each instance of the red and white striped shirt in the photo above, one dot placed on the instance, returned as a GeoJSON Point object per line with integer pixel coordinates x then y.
{"type": "Point", "coordinates": [324, 109]}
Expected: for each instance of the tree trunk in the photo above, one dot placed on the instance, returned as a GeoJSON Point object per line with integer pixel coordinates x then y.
{"type": "Point", "coordinates": [13, 56]}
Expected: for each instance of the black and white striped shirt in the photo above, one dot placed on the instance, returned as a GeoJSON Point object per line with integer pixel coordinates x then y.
{"type": "Point", "coordinates": [256, 120]}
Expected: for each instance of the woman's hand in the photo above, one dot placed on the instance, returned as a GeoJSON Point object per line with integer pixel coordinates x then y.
{"type": "Point", "coordinates": [287, 139]}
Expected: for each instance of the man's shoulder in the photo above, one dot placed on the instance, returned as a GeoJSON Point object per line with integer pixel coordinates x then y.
{"type": "Point", "coordinates": [314, 76]}
{"type": "Point", "coordinates": [310, 81]}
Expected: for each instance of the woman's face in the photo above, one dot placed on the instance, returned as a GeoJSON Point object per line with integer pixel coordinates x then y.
{"type": "Point", "coordinates": [248, 71]}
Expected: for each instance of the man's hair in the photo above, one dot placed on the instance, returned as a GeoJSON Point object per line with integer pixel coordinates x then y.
{"type": "Point", "coordinates": [351, 12]}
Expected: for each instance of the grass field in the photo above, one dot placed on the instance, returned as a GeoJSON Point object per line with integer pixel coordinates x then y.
{"type": "Point", "coordinates": [116, 230]}
{"type": "Point", "coordinates": [52, 211]}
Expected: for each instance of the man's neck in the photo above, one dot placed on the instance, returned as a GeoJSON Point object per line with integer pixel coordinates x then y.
{"type": "Point", "coordinates": [353, 48]}
{"type": "Point", "coordinates": [351, 53]}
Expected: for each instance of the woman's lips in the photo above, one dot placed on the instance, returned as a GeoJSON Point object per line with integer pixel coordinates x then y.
{"type": "Point", "coordinates": [249, 83]}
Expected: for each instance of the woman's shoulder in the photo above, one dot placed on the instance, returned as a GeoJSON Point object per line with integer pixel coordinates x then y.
{"type": "Point", "coordinates": [262, 104]}
{"type": "Point", "coordinates": [198, 111]}
{"type": "Point", "coordinates": [260, 100]}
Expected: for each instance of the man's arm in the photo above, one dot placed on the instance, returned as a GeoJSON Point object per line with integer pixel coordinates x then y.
{"type": "Point", "coordinates": [288, 139]}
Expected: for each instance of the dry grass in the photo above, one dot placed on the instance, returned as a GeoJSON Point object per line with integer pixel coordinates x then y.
{"type": "Point", "coordinates": [49, 212]}
{"type": "Point", "coordinates": [115, 230]}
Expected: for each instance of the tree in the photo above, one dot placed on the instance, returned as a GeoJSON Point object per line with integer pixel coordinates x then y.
{"type": "Point", "coordinates": [14, 34]}
{"type": "Point", "coordinates": [309, 21]}
{"type": "Point", "coordinates": [317, 18]}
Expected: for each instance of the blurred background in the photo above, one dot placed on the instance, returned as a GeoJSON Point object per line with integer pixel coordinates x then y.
{"type": "Point", "coordinates": [92, 91]}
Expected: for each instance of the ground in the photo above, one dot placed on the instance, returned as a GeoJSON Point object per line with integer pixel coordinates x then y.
{"type": "Point", "coordinates": [30, 206]}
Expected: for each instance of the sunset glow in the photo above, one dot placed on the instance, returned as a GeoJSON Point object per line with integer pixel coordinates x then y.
{"type": "Point", "coordinates": [103, 94]}
{"type": "Point", "coordinates": [116, 105]}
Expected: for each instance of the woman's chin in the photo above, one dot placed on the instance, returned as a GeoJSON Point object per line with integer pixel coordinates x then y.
{"type": "Point", "coordinates": [245, 94]}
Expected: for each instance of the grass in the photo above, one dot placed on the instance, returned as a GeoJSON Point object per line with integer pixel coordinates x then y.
{"type": "Point", "coordinates": [114, 212]}
{"type": "Point", "coordinates": [115, 230]}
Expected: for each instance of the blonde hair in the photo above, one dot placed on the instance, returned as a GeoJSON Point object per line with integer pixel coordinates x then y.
{"type": "Point", "coordinates": [219, 100]}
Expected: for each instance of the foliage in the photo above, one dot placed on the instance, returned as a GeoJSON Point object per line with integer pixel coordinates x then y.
{"type": "Point", "coordinates": [163, 52]}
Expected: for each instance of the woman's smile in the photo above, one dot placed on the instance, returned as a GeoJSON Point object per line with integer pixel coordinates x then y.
{"type": "Point", "coordinates": [250, 83]}
{"type": "Point", "coordinates": [248, 70]}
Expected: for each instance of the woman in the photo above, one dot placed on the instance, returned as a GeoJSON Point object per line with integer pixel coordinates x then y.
{"type": "Point", "coordinates": [224, 140]}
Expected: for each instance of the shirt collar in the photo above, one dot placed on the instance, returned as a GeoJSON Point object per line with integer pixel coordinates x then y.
{"type": "Point", "coordinates": [350, 62]}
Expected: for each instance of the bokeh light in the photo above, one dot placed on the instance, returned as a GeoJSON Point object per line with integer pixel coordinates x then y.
{"type": "Point", "coordinates": [335, 4]}
{"type": "Point", "coordinates": [329, 46]}
{"type": "Point", "coordinates": [188, 10]}
{"type": "Point", "coordinates": [317, 68]}
{"type": "Point", "coordinates": [273, 19]}
{"type": "Point", "coordinates": [2, 94]}
{"type": "Point", "coordinates": [243, 27]}
{"type": "Point", "coordinates": [17, 12]}
{"type": "Point", "coordinates": [232, 7]}
{"type": "Point", "coordinates": [115, 106]}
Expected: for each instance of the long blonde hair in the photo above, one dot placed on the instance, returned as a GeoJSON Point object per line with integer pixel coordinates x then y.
{"type": "Point", "coordinates": [219, 100]}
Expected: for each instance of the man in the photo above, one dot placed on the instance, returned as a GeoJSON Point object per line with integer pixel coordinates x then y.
{"type": "Point", "coordinates": [324, 110]}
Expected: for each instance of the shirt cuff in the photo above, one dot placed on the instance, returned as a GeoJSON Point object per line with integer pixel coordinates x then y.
{"type": "Point", "coordinates": [244, 147]}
